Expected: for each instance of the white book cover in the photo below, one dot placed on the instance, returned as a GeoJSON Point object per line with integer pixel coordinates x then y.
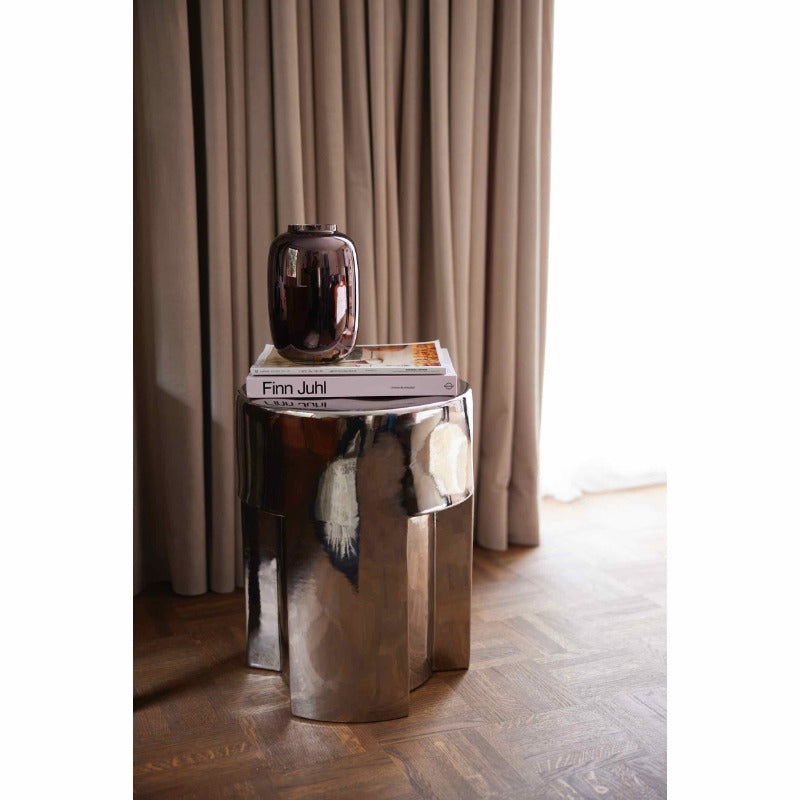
{"type": "Point", "coordinates": [423, 358]}
{"type": "Point", "coordinates": [305, 386]}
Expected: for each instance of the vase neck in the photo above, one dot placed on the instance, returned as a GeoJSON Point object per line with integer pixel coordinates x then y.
{"type": "Point", "coordinates": [315, 228]}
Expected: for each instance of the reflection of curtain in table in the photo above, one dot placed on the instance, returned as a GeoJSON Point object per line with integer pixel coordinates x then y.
{"type": "Point", "coordinates": [422, 130]}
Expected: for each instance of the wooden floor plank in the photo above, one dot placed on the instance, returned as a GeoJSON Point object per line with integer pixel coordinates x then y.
{"type": "Point", "coordinates": [565, 697]}
{"type": "Point", "coordinates": [371, 774]}
{"type": "Point", "coordinates": [456, 765]}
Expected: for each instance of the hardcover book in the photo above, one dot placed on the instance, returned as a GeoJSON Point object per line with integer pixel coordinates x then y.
{"type": "Point", "coordinates": [423, 358]}
{"type": "Point", "coordinates": [305, 383]}
{"type": "Point", "coordinates": [339, 404]}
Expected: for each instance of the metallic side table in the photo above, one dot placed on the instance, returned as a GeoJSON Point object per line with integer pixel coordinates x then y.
{"type": "Point", "coordinates": [357, 532]}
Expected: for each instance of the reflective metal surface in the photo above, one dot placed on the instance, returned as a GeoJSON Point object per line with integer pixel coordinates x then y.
{"type": "Point", "coordinates": [312, 277]}
{"type": "Point", "coordinates": [265, 608]}
{"type": "Point", "coordinates": [358, 549]}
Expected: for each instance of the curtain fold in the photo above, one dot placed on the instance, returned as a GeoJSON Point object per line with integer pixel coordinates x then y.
{"type": "Point", "coordinates": [422, 129]}
{"type": "Point", "coordinates": [502, 302]}
{"type": "Point", "coordinates": [168, 357]}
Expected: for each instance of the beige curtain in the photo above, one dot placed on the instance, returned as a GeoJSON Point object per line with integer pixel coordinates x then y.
{"type": "Point", "coordinates": [422, 129]}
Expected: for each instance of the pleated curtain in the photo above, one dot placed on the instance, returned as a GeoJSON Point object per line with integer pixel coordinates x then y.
{"type": "Point", "coordinates": [421, 128]}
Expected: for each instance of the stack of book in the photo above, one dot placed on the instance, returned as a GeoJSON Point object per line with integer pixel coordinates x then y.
{"type": "Point", "coordinates": [417, 369]}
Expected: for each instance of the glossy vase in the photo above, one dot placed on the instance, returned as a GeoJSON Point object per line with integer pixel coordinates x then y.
{"type": "Point", "coordinates": [312, 274]}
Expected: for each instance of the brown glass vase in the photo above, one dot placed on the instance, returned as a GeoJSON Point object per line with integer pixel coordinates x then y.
{"type": "Point", "coordinates": [312, 274]}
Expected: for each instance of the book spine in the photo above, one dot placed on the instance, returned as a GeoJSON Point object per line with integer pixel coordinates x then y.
{"type": "Point", "coordinates": [311, 386]}
{"type": "Point", "coordinates": [336, 404]}
{"type": "Point", "coordinates": [309, 371]}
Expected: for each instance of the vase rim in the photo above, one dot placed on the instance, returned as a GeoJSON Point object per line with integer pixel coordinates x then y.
{"type": "Point", "coordinates": [313, 228]}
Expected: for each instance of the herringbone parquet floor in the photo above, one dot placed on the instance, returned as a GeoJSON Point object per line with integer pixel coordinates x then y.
{"type": "Point", "coordinates": [565, 696]}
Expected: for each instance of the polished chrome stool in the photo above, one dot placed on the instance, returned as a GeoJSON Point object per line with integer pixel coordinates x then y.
{"type": "Point", "coordinates": [357, 529]}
